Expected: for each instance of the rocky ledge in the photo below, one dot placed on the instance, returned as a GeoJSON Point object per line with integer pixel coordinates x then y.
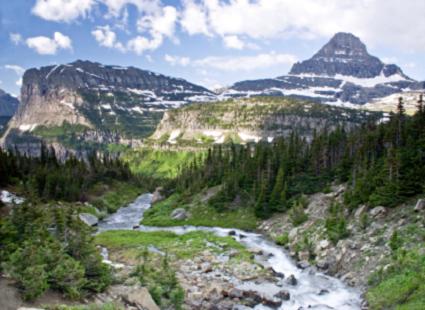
{"type": "Point", "coordinates": [366, 245]}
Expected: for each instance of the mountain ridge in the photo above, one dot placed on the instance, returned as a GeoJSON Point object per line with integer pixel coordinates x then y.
{"type": "Point", "coordinates": [125, 101]}
{"type": "Point", "coordinates": [341, 72]}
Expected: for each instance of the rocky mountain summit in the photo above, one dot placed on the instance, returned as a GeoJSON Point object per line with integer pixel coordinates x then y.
{"type": "Point", "coordinates": [341, 72]}
{"type": "Point", "coordinates": [102, 104]}
{"type": "Point", "coordinates": [346, 55]}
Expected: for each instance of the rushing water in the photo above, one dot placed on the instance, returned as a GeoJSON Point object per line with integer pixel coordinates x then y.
{"type": "Point", "coordinates": [304, 295]}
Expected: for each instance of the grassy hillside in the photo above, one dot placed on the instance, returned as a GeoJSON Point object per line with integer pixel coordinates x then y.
{"type": "Point", "coordinates": [157, 163]}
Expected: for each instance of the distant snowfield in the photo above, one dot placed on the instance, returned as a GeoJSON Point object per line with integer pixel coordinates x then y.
{"type": "Point", "coordinates": [389, 103]}
{"type": "Point", "coordinates": [364, 82]}
{"type": "Point", "coordinates": [27, 127]}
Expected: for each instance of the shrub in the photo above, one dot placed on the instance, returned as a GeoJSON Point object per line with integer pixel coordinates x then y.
{"type": "Point", "coordinates": [68, 276]}
{"type": "Point", "coordinates": [283, 239]}
{"type": "Point", "coordinates": [297, 214]}
{"type": "Point", "coordinates": [335, 224]}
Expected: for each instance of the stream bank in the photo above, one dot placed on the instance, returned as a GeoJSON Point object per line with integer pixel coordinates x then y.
{"type": "Point", "coordinates": [279, 284]}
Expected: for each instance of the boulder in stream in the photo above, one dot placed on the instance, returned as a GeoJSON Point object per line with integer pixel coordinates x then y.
{"type": "Point", "coordinates": [88, 219]}
{"type": "Point", "coordinates": [284, 295]}
{"type": "Point", "coordinates": [292, 280]}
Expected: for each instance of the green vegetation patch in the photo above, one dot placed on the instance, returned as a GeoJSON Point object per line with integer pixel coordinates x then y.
{"type": "Point", "coordinates": [111, 196]}
{"type": "Point", "coordinates": [401, 286]}
{"type": "Point", "coordinates": [185, 246]}
{"type": "Point", "coordinates": [158, 163]}
{"type": "Point", "coordinates": [106, 306]}
{"type": "Point", "coordinates": [200, 214]}
{"type": "Point", "coordinates": [59, 131]}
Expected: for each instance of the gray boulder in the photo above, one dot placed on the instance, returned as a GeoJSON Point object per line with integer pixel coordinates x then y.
{"type": "Point", "coordinates": [140, 298]}
{"type": "Point", "coordinates": [420, 205]}
{"type": "Point", "coordinates": [88, 219]}
{"type": "Point", "coordinates": [179, 214]}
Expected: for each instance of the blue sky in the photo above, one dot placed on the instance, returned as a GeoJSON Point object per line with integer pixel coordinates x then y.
{"type": "Point", "coordinates": [209, 42]}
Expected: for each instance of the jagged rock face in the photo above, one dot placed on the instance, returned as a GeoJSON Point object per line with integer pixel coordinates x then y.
{"type": "Point", "coordinates": [342, 72]}
{"type": "Point", "coordinates": [252, 120]}
{"type": "Point", "coordinates": [344, 54]}
{"type": "Point", "coordinates": [112, 103]}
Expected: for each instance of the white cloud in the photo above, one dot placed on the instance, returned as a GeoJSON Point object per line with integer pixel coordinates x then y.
{"type": "Point", "coordinates": [62, 41]}
{"type": "Point", "coordinates": [268, 19]}
{"type": "Point", "coordinates": [106, 37]}
{"type": "Point", "coordinates": [62, 10]}
{"type": "Point", "coordinates": [194, 19]}
{"type": "Point", "coordinates": [160, 24]}
{"type": "Point", "coordinates": [16, 38]}
{"type": "Point", "coordinates": [176, 60]}
{"type": "Point", "coordinates": [116, 7]}
{"type": "Point", "coordinates": [49, 46]}
{"type": "Point", "coordinates": [229, 63]}
{"type": "Point", "coordinates": [233, 42]}
{"type": "Point", "coordinates": [19, 71]}
{"type": "Point", "coordinates": [141, 44]}
{"type": "Point", "coordinates": [15, 68]}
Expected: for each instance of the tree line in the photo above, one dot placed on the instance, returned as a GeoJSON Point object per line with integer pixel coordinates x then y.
{"type": "Point", "coordinates": [48, 178]}
{"type": "Point", "coordinates": [383, 164]}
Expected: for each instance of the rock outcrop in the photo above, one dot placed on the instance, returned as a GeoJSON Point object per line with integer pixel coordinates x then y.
{"type": "Point", "coordinates": [365, 250]}
{"type": "Point", "coordinates": [252, 120]}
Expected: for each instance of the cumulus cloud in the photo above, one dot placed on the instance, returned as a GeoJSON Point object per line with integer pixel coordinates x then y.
{"type": "Point", "coordinates": [62, 10]}
{"type": "Point", "coordinates": [141, 44]}
{"type": "Point", "coordinates": [19, 71]}
{"type": "Point", "coordinates": [108, 38]}
{"type": "Point", "coordinates": [233, 42]}
{"type": "Point", "coordinates": [153, 28]}
{"type": "Point", "coordinates": [257, 20]}
{"type": "Point", "coordinates": [116, 7]}
{"type": "Point", "coordinates": [266, 19]}
{"type": "Point", "coordinates": [15, 68]}
{"type": "Point", "coordinates": [176, 60]}
{"type": "Point", "coordinates": [194, 19]}
{"type": "Point", "coordinates": [49, 46]}
{"type": "Point", "coordinates": [229, 63]}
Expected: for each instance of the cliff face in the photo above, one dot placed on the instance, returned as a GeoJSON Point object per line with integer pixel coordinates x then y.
{"type": "Point", "coordinates": [96, 100]}
{"type": "Point", "coordinates": [252, 119]}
